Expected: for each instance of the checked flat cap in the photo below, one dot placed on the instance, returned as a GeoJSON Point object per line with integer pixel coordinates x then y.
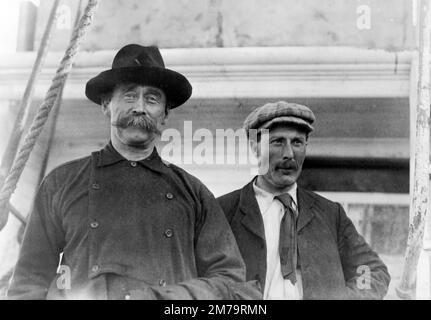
{"type": "Point", "coordinates": [280, 112]}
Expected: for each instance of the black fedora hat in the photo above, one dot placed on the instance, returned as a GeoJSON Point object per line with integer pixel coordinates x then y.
{"type": "Point", "coordinates": [142, 65]}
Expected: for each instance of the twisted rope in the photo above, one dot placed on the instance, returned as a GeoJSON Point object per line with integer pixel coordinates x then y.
{"type": "Point", "coordinates": [23, 110]}
{"type": "Point", "coordinates": [43, 111]}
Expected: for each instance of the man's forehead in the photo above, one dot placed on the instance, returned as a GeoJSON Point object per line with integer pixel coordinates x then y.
{"type": "Point", "coordinates": [286, 129]}
{"type": "Point", "coordinates": [122, 87]}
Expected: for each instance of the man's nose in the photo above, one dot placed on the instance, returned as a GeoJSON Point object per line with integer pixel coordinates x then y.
{"type": "Point", "coordinates": [140, 106]}
{"type": "Point", "coordinates": [287, 151]}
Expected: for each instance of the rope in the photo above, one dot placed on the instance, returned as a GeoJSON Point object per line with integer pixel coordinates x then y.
{"type": "Point", "coordinates": [24, 107]}
{"type": "Point", "coordinates": [17, 214]}
{"type": "Point", "coordinates": [56, 109]}
{"type": "Point", "coordinates": [43, 111]}
{"type": "Point", "coordinates": [23, 110]}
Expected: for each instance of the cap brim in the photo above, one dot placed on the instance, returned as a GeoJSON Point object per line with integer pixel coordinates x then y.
{"type": "Point", "coordinates": [288, 120]}
{"type": "Point", "coordinates": [176, 87]}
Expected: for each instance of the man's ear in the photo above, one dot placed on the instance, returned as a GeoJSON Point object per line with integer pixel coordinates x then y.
{"type": "Point", "coordinates": [164, 120]}
{"type": "Point", "coordinates": [105, 107]}
{"type": "Point", "coordinates": [254, 145]}
{"type": "Point", "coordinates": [165, 116]}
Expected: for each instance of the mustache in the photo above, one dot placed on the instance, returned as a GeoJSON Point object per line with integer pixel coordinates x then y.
{"type": "Point", "coordinates": [287, 164]}
{"type": "Point", "coordinates": [141, 121]}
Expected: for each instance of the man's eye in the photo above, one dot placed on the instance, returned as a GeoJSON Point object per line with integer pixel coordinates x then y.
{"type": "Point", "coordinates": [297, 142]}
{"type": "Point", "coordinates": [152, 99]}
{"type": "Point", "coordinates": [130, 96]}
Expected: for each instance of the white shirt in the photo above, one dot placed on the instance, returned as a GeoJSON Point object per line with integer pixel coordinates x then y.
{"type": "Point", "coordinates": [272, 210]}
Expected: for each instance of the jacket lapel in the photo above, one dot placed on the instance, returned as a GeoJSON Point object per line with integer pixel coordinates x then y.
{"type": "Point", "coordinates": [252, 218]}
{"type": "Point", "coordinates": [305, 204]}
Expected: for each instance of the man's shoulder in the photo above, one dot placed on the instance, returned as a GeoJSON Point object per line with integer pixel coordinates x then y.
{"type": "Point", "coordinates": [230, 202]}
{"type": "Point", "coordinates": [316, 196]}
{"type": "Point", "coordinates": [187, 178]}
{"type": "Point", "coordinates": [68, 169]}
{"type": "Point", "coordinates": [321, 204]}
{"type": "Point", "coordinates": [231, 197]}
{"type": "Point", "coordinates": [180, 171]}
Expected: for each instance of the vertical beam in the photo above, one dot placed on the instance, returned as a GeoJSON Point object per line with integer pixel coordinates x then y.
{"type": "Point", "coordinates": [413, 102]}
{"type": "Point", "coordinates": [419, 208]}
{"type": "Point", "coordinates": [26, 26]}
{"type": "Point", "coordinates": [423, 281]}
{"type": "Point", "coordinates": [423, 277]}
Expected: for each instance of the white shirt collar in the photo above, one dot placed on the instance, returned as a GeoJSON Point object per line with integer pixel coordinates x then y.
{"type": "Point", "coordinates": [265, 198]}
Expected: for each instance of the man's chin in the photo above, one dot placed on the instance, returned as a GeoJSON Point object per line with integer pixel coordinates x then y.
{"type": "Point", "coordinates": [286, 181]}
{"type": "Point", "coordinates": [140, 141]}
{"type": "Point", "coordinates": [138, 144]}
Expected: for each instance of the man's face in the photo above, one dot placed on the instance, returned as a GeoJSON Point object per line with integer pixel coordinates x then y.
{"type": "Point", "coordinates": [136, 112]}
{"type": "Point", "coordinates": [283, 153]}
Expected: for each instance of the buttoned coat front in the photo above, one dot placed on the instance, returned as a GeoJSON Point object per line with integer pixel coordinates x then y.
{"type": "Point", "coordinates": [150, 225]}
{"type": "Point", "coordinates": [335, 261]}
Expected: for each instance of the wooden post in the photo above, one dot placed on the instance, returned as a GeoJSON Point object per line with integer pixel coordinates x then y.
{"type": "Point", "coordinates": [419, 208]}
{"type": "Point", "coordinates": [423, 280]}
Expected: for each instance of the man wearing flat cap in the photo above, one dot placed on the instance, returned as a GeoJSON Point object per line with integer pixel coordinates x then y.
{"type": "Point", "coordinates": [297, 244]}
{"type": "Point", "coordinates": [126, 224]}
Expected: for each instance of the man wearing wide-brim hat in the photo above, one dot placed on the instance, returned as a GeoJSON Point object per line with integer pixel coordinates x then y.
{"type": "Point", "coordinates": [297, 244]}
{"type": "Point", "coordinates": [129, 225]}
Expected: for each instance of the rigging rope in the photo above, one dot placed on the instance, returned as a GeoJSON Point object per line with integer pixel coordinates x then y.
{"type": "Point", "coordinates": [42, 114]}
{"type": "Point", "coordinates": [23, 110]}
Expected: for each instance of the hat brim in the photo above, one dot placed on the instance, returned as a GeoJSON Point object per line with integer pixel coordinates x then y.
{"type": "Point", "coordinates": [288, 120]}
{"type": "Point", "coordinates": [176, 87]}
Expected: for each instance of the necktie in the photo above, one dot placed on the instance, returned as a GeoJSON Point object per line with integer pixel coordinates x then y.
{"type": "Point", "coordinates": [288, 239]}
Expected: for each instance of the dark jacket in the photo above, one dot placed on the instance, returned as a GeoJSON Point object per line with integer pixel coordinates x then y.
{"type": "Point", "coordinates": [144, 229]}
{"type": "Point", "coordinates": [330, 249]}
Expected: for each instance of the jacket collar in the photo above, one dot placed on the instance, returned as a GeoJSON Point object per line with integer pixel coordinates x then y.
{"type": "Point", "coordinates": [305, 207]}
{"type": "Point", "coordinates": [109, 156]}
{"type": "Point", "coordinates": [248, 205]}
{"type": "Point", "coordinates": [252, 218]}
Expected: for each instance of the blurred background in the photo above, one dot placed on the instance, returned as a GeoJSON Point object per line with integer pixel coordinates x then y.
{"type": "Point", "coordinates": [348, 60]}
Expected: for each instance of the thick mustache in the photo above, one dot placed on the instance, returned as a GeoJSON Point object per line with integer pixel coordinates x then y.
{"type": "Point", "coordinates": [131, 120]}
{"type": "Point", "coordinates": [290, 164]}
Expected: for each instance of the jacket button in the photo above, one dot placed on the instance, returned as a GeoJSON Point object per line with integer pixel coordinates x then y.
{"type": "Point", "coordinates": [95, 186]}
{"type": "Point", "coordinates": [169, 196]}
{"type": "Point", "coordinates": [133, 164]}
{"type": "Point", "coordinates": [95, 268]}
{"type": "Point", "coordinates": [94, 224]}
{"type": "Point", "coordinates": [168, 233]}
{"type": "Point", "coordinates": [162, 283]}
